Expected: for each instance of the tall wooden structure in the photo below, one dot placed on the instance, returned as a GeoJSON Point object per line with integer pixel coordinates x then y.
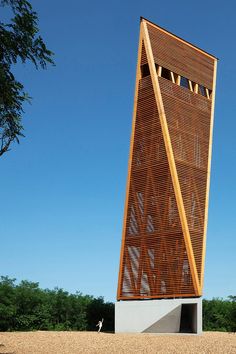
{"type": "Point", "coordinates": [166, 207]}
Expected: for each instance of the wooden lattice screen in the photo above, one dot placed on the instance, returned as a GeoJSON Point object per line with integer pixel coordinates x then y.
{"type": "Point", "coordinates": [165, 219]}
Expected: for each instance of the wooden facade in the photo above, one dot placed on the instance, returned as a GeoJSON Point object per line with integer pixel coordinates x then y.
{"type": "Point", "coordinates": [165, 218]}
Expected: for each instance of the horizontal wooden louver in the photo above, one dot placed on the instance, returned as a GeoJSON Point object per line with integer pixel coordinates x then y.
{"type": "Point", "coordinates": [162, 253]}
{"type": "Point", "coordinates": [177, 56]}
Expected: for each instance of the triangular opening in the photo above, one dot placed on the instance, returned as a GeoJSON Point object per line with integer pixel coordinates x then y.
{"type": "Point", "coordinates": [144, 63]}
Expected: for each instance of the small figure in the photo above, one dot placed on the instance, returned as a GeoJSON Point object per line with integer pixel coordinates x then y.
{"type": "Point", "coordinates": [99, 325]}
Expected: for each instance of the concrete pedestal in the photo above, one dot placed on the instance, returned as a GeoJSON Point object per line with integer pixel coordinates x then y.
{"type": "Point", "coordinates": [159, 316]}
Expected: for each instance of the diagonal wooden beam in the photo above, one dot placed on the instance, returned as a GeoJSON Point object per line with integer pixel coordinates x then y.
{"type": "Point", "coordinates": [138, 76]}
{"type": "Point", "coordinates": [208, 173]}
{"type": "Point", "coordinates": [170, 157]}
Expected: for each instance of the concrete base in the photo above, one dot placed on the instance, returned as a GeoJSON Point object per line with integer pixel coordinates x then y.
{"type": "Point", "coordinates": [159, 316]}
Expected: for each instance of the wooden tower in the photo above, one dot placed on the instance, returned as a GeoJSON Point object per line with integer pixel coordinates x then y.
{"type": "Point", "coordinates": [166, 208]}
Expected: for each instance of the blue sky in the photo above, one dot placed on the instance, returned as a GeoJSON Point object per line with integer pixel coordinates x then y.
{"type": "Point", "coordinates": [63, 187]}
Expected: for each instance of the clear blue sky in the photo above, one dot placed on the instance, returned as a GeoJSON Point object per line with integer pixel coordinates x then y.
{"type": "Point", "coordinates": [63, 187]}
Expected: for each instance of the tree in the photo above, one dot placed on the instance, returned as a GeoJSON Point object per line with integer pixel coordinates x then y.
{"type": "Point", "coordinates": [232, 299]}
{"type": "Point", "coordinates": [19, 41]}
{"type": "Point", "coordinates": [7, 303]}
{"type": "Point", "coordinates": [219, 314]}
{"type": "Point", "coordinates": [97, 310]}
{"type": "Point", "coordinates": [26, 307]}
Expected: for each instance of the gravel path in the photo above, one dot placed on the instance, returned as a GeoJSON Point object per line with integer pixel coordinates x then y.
{"type": "Point", "coordinates": [41, 342]}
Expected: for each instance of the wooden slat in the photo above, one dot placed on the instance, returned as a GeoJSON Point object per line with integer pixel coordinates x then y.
{"type": "Point", "coordinates": [165, 216]}
{"type": "Point", "coordinates": [171, 160]}
{"type": "Point", "coordinates": [138, 76]}
{"type": "Point", "coordinates": [180, 58]}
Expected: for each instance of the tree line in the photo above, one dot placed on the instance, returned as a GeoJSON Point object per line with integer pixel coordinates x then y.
{"type": "Point", "coordinates": [219, 314]}
{"type": "Point", "coordinates": [26, 307]}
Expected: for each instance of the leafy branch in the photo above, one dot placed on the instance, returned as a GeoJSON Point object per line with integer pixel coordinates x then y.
{"type": "Point", "coordinates": [19, 41]}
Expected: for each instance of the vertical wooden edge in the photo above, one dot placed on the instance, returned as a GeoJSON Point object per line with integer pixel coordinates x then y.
{"type": "Point", "coordinates": [190, 85]}
{"type": "Point", "coordinates": [171, 160]}
{"type": "Point", "coordinates": [208, 173]}
{"type": "Point", "coordinates": [178, 80]}
{"type": "Point", "coordinates": [138, 75]}
{"type": "Point", "coordinates": [159, 71]}
{"type": "Point", "coordinates": [172, 77]}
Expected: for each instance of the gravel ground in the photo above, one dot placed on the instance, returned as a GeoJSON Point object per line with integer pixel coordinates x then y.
{"type": "Point", "coordinates": [41, 342]}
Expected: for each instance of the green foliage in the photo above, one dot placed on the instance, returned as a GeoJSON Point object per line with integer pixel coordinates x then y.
{"type": "Point", "coordinates": [26, 307]}
{"type": "Point", "coordinates": [19, 41]}
{"type": "Point", "coordinates": [232, 317]}
{"type": "Point", "coordinates": [95, 309]}
{"type": "Point", "coordinates": [7, 303]}
{"type": "Point", "coordinates": [219, 314]}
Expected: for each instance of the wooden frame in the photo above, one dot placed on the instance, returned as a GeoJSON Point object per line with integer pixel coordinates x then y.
{"type": "Point", "coordinates": [138, 76]}
{"type": "Point", "coordinates": [171, 159]}
{"type": "Point", "coordinates": [140, 269]}
{"type": "Point", "coordinates": [178, 38]}
{"type": "Point", "coordinates": [208, 171]}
